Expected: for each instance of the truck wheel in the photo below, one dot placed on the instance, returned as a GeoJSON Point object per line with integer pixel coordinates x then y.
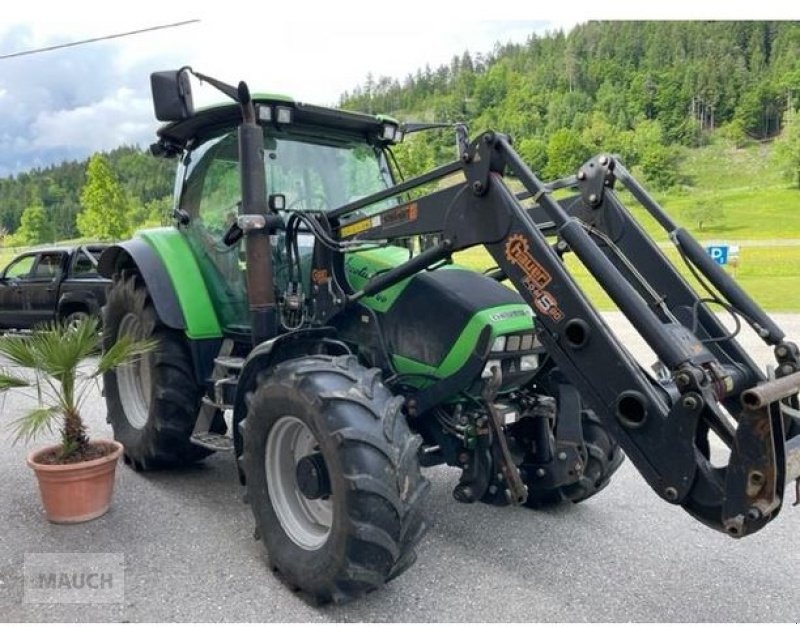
{"type": "Point", "coordinates": [604, 457]}
{"type": "Point", "coordinates": [74, 318]}
{"type": "Point", "coordinates": [333, 477]}
{"type": "Point", "coordinates": [153, 402]}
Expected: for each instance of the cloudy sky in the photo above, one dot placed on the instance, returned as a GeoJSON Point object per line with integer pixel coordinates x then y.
{"type": "Point", "coordinates": [68, 103]}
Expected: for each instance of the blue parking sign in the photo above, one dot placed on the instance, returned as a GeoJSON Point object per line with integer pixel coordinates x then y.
{"type": "Point", "coordinates": [718, 253]}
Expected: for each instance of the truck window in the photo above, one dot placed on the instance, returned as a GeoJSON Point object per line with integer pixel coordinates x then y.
{"type": "Point", "coordinates": [21, 268]}
{"type": "Point", "coordinates": [48, 266]}
{"type": "Point", "coordinates": [82, 267]}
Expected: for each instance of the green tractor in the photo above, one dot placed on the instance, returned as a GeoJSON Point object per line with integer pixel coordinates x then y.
{"type": "Point", "coordinates": [311, 321]}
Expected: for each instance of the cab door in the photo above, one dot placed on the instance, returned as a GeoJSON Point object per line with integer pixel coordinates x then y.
{"type": "Point", "coordinates": [14, 308]}
{"type": "Point", "coordinates": [41, 288]}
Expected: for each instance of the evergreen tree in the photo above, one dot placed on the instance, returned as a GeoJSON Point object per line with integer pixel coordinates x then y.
{"type": "Point", "coordinates": [104, 202]}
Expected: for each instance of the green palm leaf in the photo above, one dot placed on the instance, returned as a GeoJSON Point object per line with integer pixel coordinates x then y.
{"type": "Point", "coordinates": [34, 423]}
{"type": "Point", "coordinates": [55, 353]}
{"type": "Point", "coordinates": [125, 350]}
{"type": "Point", "coordinates": [19, 351]}
{"type": "Point", "coordinates": [8, 381]}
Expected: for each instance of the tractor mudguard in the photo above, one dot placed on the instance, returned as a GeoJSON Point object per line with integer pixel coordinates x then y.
{"type": "Point", "coordinates": [287, 346]}
{"type": "Point", "coordinates": [138, 253]}
{"type": "Point", "coordinates": [173, 279]}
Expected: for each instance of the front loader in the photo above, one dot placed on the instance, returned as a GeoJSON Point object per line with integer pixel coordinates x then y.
{"type": "Point", "coordinates": [311, 321]}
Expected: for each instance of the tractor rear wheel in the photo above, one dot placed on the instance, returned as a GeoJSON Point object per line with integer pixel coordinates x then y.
{"type": "Point", "coordinates": [152, 402]}
{"type": "Point", "coordinates": [603, 458]}
{"type": "Point", "coordinates": [332, 476]}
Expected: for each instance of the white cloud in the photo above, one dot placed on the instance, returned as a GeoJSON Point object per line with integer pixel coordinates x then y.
{"type": "Point", "coordinates": [70, 102]}
{"type": "Point", "coordinates": [121, 118]}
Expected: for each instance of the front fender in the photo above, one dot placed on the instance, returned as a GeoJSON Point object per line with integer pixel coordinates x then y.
{"type": "Point", "coordinates": [265, 355]}
{"type": "Point", "coordinates": [166, 264]}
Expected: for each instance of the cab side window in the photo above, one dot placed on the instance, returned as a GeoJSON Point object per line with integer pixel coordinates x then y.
{"type": "Point", "coordinates": [49, 266]}
{"type": "Point", "coordinates": [21, 268]}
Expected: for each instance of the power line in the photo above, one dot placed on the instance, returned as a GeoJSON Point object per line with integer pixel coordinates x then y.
{"type": "Point", "coordinates": [95, 39]}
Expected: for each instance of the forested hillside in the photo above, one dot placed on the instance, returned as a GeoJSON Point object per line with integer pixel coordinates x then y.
{"type": "Point", "coordinates": [645, 90]}
{"type": "Point", "coordinates": [146, 184]}
{"type": "Point", "coordinates": [637, 88]}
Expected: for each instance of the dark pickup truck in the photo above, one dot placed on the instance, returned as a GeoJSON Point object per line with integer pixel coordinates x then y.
{"type": "Point", "coordinates": [58, 283]}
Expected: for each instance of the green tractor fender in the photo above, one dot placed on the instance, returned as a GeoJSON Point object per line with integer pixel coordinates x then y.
{"type": "Point", "coordinates": [309, 341]}
{"type": "Point", "coordinates": [173, 279]}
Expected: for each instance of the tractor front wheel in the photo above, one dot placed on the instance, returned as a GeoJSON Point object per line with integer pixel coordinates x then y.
{"type": "Point", "coordinates": [332, 477]}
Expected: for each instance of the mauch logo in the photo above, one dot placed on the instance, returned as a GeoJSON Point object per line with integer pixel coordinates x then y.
{"type": "Point", "coordinates": [74, 577]}
{"type": "Point", "coordinates": [535, 278]}
{"type": "Point", "coordinates": [75, 581]}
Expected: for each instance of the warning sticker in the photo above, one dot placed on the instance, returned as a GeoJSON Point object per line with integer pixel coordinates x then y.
{"type": "Point", "coordinates": [356, 227]}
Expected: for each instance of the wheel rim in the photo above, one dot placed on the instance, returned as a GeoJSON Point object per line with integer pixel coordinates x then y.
{"type": "Point", "coordinates": [306, 521]}
{"type": "Point", "coordinates": [134, 378]}
{"type": "Point", "coordinates": [74, 319]}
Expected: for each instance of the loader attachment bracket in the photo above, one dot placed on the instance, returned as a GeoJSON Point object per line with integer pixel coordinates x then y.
{"type": "Point", "coordinates": [757, 468]}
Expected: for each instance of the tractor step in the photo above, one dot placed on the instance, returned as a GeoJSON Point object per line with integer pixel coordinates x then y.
{"type": "Point", "coordinates": [212, 441]}
{"type": "Point", "coordinates": [210, 402]}
{"type": "Point", "coordinates": [229, 363]}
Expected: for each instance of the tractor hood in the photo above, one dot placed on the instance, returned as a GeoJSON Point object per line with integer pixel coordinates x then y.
{"type": "Point", "coordinates": [432, 321]}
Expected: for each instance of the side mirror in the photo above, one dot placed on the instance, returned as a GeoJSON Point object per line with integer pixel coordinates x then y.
{"type": "Point", "coordinates": [172, 95]}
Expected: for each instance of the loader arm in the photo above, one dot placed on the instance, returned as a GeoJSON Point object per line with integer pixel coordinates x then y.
{"type": "Point", "coordinates": [663, 425]}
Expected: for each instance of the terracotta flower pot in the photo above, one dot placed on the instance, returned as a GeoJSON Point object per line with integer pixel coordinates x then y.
{"type": "Point", "coordinates": [73, 493]}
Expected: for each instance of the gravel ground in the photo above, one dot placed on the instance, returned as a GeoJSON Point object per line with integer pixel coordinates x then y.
{"type": "Point", "coordinates": [625, 555]}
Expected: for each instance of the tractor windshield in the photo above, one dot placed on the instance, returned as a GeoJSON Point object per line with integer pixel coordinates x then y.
{"type": "Point", "coordinates": [310, 173]}
{"type": "Point", "coordinates": [322, 176]}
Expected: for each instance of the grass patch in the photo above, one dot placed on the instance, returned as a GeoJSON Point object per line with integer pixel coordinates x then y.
{"type": "Point", "coordinates": [770, 275]}
{"type": "Point", "coordinates": [754, 200]}
{"type": "Point", "coordinates": [757, 205]}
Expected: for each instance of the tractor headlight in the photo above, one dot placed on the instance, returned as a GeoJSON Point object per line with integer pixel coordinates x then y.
{"type": "Point", "coordinates": [265, 113]}
{"type": "Point", "coordinates": [283, 115]}
{"type": "Point", "coordinates": [388, 132]}
{"type": "Point", "coordinates": [499, 344]}
{"type": "Point", "coordinates": [528, 362]}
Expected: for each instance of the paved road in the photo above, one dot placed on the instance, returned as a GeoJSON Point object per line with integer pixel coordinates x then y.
{"type": "Point", "coordinates": [623, 556]}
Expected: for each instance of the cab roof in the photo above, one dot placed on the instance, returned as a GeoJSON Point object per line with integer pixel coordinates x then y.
{"type": "Point", "coordinates": [213, 121]}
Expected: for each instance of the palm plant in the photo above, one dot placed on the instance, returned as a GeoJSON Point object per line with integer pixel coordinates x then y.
{"type": "Point", "coordinates": [61, 377]}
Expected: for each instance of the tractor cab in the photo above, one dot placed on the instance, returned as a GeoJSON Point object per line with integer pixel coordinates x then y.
{"type": "Point", "coordinates": [314, 159]}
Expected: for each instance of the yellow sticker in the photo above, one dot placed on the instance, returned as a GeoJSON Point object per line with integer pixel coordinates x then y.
{"type": "Point", "coordinates": [356, 227]}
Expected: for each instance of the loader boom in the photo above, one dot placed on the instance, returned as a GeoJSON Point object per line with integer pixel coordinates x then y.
{"type": "Point", "coordinates": [662, 424]}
